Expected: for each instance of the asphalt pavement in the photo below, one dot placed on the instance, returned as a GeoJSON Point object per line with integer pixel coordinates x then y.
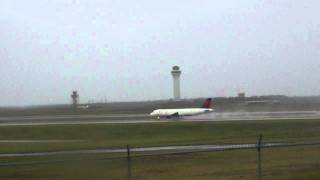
{"type": "Point", "coordinates": [145, 118]}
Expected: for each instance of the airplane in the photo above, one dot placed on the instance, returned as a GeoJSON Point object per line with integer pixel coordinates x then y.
{"type": "Point", "coordinates": [83, 106]}
{"type": "Point", "coordinates": [177, 113]}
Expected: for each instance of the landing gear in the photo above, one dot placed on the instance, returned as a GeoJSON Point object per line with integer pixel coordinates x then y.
{"type": "Point", "coordinates": [158, 117]}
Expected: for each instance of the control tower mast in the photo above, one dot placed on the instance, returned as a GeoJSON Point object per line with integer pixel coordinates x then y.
{"type": "Point", "coordinates": [75, 99]}
{"type": "Point", "coordinates": [176, 82]}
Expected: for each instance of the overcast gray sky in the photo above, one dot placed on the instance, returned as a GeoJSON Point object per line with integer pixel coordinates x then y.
{"type": "Point", "coordinates": [124, 50]}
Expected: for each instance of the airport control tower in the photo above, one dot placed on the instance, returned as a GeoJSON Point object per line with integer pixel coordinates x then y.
{"type": "Point", "coordinates": [75, 99]}
{"type": "Point", "coordinates": [176, 82]}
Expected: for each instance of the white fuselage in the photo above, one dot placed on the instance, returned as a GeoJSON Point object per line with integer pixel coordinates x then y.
{"type": "Point", "coordinates": [181, 112]}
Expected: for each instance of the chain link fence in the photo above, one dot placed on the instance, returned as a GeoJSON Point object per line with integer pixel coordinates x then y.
{"type": "Point", "coordinates": [239, 161]}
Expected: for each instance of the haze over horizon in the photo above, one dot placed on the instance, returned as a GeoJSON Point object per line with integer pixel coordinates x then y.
{"type": "Point", "coordinates": [124, 50]}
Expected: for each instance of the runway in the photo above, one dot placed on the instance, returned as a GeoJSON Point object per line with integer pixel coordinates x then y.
{"type": "Point", "coordinates": [259, 115]}
{"type": "Point", "coordinates": [162, 149]}
{"type": "Point", "coordinates": [84, 122]}
{"type": "Point", "coordinates": [146, 150]}
{"type": "Point", "coordinates": [145, 118]}
{"type": "Point", "coordinates": [40, 141]}
{"type": "Point", "coordinates": [63, 117]}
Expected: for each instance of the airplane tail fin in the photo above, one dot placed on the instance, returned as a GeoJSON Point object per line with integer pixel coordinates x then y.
{"type": "Point", "coordinates": [207, 103]}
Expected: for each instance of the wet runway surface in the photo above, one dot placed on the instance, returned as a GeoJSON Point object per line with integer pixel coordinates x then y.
{"type": "Point", "coordinates": [70, 117]}
{"type": "Point", "coordinates": [161, 149]}
{"type": "Point", "coordinates": [147, 149]}
{"type": "Point", "coordinates": [40, 141]}
{"type": "Point", "coordinates": [258, 115]}
{"type": "Point", "coordinates": [83, 122]}
{"type": "Point", "coordinates": [144, 118]}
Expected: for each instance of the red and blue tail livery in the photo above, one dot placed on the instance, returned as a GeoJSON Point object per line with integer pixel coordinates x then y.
{"type": "Point", "coordinates": [207, 103]}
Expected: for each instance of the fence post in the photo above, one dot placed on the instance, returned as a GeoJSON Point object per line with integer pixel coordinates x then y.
{"type": "Point", "coordinates": [259, 169]}
{"type": "Point", "coordinates": [129, 162]}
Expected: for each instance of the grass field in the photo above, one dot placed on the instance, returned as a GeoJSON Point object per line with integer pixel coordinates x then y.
{"type": "Point", "coordinates": [173, 133]}
{"type": "Point", "coordinates": [283, 163]}
{"type": "Point", "coordinates": [279, 163]}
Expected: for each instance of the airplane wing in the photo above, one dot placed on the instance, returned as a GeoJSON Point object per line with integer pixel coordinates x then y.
{"type": "Point", "coordinates": [174, 115]}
